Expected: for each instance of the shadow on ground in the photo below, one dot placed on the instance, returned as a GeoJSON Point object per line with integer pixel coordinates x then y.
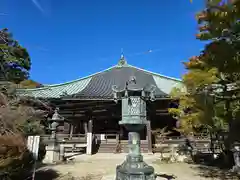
{"type": "Point", "coordinates": [218, 168]}
{"type": "Point", "coordinates": [46, 174]}
{"type": "Point", "coordinates": [166, 176]}
{"type": "Point", "coordinates": [215, 173]}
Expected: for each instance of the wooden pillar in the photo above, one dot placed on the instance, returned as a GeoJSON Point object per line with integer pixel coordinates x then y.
{"type": "Point", "coordinates": [89, 137]}
{"type": "Point", "coordinates": [149, 136]}
{"type": "Point", "coordinates": [66, 128]}
{"type": "Point", "coordinates": [90, 126]}
{"type": "Point", "coordinates": [85, 127]}
{"type": "Point", "coordinates": [117, 139]}
{"type": "Point", "coordinates": [79, 127]}
{"type": "Point", "coordinates": [71, 131]}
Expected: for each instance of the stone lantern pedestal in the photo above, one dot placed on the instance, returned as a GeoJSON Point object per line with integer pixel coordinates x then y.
{"type": "Point", "coordinates": [52, 152]}
{"type": "Point", "coordinates": [134, 167]}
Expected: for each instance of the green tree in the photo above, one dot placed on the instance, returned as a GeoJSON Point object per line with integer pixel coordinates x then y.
{"type": "Point", "coordinates": [15, 62]}
{"type": "Point", "coordinates": [211, 96]}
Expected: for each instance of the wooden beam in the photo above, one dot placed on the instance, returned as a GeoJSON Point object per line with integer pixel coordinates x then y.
{"type": "Point", "coordinates": [84, 103]}
{"type": "Point", "coordinates": [99, 111]}
{"type": "Point", "coordinates": [85, 118]}
{"type": "Point", "coordinates": [162, 114]}
{"type": "Point", "coordinates": [82, 111]}
{"type": "Point", "coordinates": [149, 136]}
{"type": "Point", "coordinates": [86, 99]}
{"type": "Point", "coordinates": [71, 112]}
{"type": "Point", "coordinates": [73, 115]}
{"type": "Point", "coordinates": [161, 110]}
{"type": "Point", "coordinates": [105, 114]}
{"type": "Point", "coordinates": [87, 108]}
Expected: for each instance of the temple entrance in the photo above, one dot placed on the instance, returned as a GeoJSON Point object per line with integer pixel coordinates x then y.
{"type": "Point", "coordinates": [113, 138]}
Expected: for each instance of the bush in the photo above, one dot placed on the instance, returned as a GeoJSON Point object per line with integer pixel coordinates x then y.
{"type": "Point", "coordinates": [15, 159]}
{"type": "Point", "coordinates": [19, 118]}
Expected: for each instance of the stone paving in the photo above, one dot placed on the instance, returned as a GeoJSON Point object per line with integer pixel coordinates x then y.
{"type": "Point", "coordinates": [102, 167]}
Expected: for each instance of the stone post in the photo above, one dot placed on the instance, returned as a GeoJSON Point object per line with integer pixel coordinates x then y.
{"type": "Point", "coordinates": [89, 138]}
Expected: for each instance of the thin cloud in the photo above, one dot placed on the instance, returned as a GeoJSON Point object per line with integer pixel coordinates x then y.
{"type": "Point", "coordinates": [144, 52]}
{"type": "Point", "coordinates": [37, 4]}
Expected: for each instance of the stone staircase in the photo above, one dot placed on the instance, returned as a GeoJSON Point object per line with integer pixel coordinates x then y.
{"type": "Point", "coordinates": [107, 147]}
{"type": "Point", "coordinates": [111, 146]}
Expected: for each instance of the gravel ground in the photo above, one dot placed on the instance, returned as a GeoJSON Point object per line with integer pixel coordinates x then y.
{"type": "Point", "coordinates": [102, 167]}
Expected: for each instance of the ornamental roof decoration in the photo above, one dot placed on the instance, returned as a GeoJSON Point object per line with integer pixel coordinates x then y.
{"type": "Point", "coordinates": [122, 61]}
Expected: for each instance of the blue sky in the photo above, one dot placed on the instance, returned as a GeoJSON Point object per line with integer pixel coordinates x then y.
{"type": "Point", "coordinates": [69, 39]}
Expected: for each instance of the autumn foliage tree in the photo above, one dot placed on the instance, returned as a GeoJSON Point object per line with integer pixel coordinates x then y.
{"type": "Point", "coordinates": [212, 88]}
{"type": "Point", "coordinates": [28, 83]}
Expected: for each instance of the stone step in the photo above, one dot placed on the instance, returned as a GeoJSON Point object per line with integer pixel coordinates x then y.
{"type": "Point", "coordinates": [113, 150]}
{"type": "Point", "coordinates": [111, 147]}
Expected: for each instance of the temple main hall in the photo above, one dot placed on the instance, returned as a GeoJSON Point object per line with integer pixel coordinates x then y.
{"type": "Point", "coordinates": [87, 104]}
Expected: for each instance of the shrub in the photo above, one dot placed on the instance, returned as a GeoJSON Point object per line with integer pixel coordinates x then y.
{"type": "Point", "coordinates": [15, 159]}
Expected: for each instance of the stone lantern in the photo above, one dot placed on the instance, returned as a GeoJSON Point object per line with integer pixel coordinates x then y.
{"type": "Point", "coordinates": [55, 122]}
{"type": "Point", "coordinates": [52, 148]}
{"type": "Point", "coordinates": [133, 98]}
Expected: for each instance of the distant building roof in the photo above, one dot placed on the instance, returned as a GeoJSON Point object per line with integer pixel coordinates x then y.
{"type": "Point", "coordinates": [99, 85]}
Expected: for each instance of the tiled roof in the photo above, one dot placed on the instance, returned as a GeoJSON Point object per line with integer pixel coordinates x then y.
{"type": "Point", "coordinates": [55, 91]}
{"type": "Point", "coordinates": [99, 85]}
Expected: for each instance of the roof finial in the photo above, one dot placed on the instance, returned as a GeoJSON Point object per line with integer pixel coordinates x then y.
{"type": "Point", "coordinates": [122, 60]}
{"type": "Point", "coordinates": [122, 54]}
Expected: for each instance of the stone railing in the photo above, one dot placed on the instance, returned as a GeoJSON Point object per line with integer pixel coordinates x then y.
{"type": "Point", "coordinates": [174, 149]}
{"type": "Point", "coordinates": [166, 143]}
{"type": "Point", "coordinates": [77, 138]}
{"type": "Point", "coordinates": [63, 146]}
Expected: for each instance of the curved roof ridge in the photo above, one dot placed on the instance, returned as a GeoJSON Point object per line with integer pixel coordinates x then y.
{"type": "Point", "coordinates": [68, 82]}
{"type": "Point", "coordinates": [157, 74]}
{"type": "Point", "coordinates": [94, 74]}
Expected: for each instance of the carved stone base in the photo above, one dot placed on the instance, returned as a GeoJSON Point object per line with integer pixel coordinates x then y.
{"type": "Point", "coordinates": [52, 153]}
{"type": "Point", "coordinates": [134, 168]}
